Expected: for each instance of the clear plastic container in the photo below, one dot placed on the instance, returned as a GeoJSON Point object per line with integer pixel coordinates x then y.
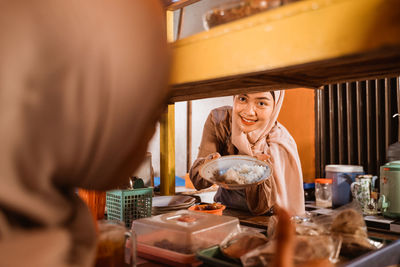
{"type": "Point", "coordinates": [234, 10]}
{"type": "Point", "coordinates": [323, 192]}
{"type": "Point", "coordinates": [342, 176]}
{"type": "Point", "coordinates": [184, 231]}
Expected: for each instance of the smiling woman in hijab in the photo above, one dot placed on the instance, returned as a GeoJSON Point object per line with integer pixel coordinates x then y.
{"type": "Point", "coordinates": [82, 84]}
{"type": "Point", "coordinates": [251, 128]}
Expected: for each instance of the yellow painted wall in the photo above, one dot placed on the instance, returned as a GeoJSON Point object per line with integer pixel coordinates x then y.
{"type": "Point", "coordinates": [298, 116]}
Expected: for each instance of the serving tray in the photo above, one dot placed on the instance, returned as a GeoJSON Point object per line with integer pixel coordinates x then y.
{"type": "Point", "coordinates": [386, 256]}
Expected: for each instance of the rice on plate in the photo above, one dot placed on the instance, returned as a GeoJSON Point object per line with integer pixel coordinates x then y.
{"type": "Point", "coordinates": [236, 171]}
{"type": "Point", "coordinates": [242, 174]}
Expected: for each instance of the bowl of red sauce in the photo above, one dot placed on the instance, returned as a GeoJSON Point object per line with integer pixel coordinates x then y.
{"type": "Point", "coordinates": [214, 208]}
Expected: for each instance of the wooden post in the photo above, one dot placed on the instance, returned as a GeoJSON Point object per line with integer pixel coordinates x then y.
{"type": "Point", "coordinates": [167, 133]}
{"type": "Point", "coordinates": [167, 152]}
{"type": "Point", "coordinates": [189, 136]}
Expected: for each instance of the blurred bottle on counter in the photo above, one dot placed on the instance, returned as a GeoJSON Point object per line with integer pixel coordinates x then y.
{"type": "Point", "coordinates": [116, 246]}
{"type": "Point", "coordinates": [309, 191]}
{"type": "Point", "coordinates": [145, 171]}
{"type": "Point", "coordinates": [143, 174]}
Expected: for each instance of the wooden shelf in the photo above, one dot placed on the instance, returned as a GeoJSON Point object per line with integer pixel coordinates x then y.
{"type": "Point", "coordinates": [304, 44]}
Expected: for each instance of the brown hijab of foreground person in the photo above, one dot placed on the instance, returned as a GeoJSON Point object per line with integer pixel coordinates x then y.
{"type": "Point", "coordinates": [81, 86]}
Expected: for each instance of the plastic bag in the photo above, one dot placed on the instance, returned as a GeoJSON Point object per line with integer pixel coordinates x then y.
{"type": "Point", "coordinates": [239, 243]}
{"type": "Point", "coordinates": [307, 248]}
{"type": "Point", "coordinates": [342, 232]}
{"type": "Point", "coordinates": [348, 223]}
{"type": "Point", "coordinates": [304, 225]}
{"type": "Point", "coordinates": [312, 242]}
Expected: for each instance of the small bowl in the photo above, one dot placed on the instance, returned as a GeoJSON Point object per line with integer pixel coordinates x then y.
{"type": "Point", "coordinates": [217, 211]}
{"type": "Point", "coordinates": [212, 169]}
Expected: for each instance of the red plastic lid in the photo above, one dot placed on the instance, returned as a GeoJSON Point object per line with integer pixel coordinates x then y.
{"type": "Point", "coordinates": [323, 181]}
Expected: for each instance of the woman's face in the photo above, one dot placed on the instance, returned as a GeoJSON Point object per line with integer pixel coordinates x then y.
{"type": "Point", "coordinates": [253, 111]}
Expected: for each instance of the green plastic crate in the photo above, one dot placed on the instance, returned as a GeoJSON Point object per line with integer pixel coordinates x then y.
{"type": "Point", "coordinates": [129, 205]}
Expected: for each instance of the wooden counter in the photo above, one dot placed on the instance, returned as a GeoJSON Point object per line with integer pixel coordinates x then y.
{"type": "Point", "coordinates": [247, 219]}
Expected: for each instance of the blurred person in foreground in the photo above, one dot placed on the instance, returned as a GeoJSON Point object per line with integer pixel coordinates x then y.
{"type": "Point", "coordinates": [82, 84]}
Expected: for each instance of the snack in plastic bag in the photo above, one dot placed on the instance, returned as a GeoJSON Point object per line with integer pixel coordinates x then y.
{"type": "Point", "coordinates": [261, 256]}
{"type": "Point", "coordinates": [240, 243]}
{"type": "Point", "coordinates": [315, 247]}
{"type": "Point", "coordinates": [307, 248]}
{"type": "Point", "coordinates": [304, 225]}
{"type": "Point", "coordinates": [349, 224]}
{"type": "Point", "coordinates": [349, 221]}
{"type": "Point", "coordinates": [312, 242]}
{"type": "Point", "coordinates": [307, 226]}
{"type": "Point", "coordinates": [319, 239]}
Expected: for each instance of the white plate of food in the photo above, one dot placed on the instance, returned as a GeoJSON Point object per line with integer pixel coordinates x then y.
{"type": "Point", "coordinates": [236, 171]}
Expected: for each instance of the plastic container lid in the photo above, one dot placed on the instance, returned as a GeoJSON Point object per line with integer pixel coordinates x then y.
{"type": "Point", "coordinates": [344, 168]}
{"type": "Point", "coordinates": [323, 181]}
{"type": "Point", "coordinates": [392, 166]}
{"type": "Point", "coordinates": [184, 231]}
{"type": "Point", "coordinates": [185, 221]}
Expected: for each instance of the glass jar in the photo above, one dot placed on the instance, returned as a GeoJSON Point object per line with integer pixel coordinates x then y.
{"type": "Point", "coordinates": [323, 192]}
{"type": "Point", "coordinates": [116, 245]}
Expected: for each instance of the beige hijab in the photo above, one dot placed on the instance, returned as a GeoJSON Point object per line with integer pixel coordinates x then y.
{"type": "Point", "coordinates": [81, 85]}
{"type": "Point", "coordinates": [286, 185]}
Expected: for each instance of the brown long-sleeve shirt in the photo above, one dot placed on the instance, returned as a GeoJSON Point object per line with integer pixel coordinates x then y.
{"type": "Point", "coordinates": [217, 138]}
